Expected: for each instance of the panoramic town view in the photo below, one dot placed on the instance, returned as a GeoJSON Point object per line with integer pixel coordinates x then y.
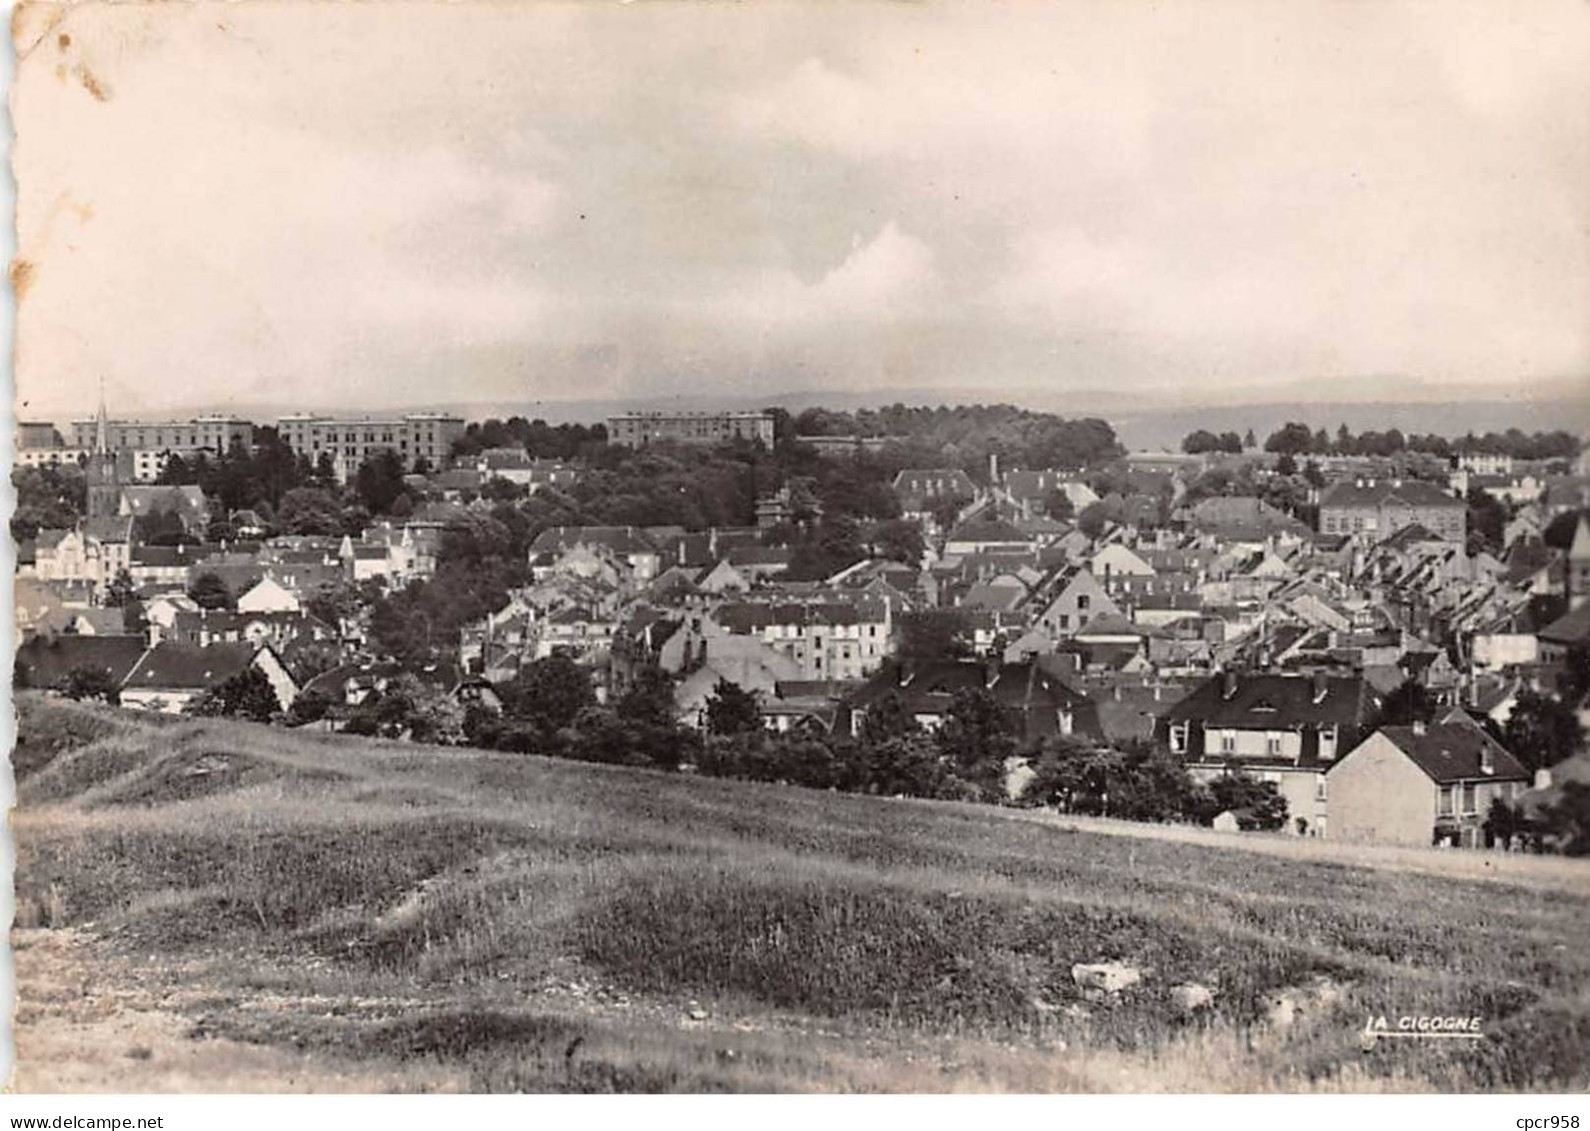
{"type": "Point", "coordinates": [574, 548]}
{"type": "Point", "coordinates": [1364, 640]}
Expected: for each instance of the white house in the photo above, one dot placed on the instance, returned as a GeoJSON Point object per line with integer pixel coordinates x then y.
{"type": "Point", "coordinates": [269, 596]}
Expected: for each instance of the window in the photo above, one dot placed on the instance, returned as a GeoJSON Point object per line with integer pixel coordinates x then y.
{"type": "Point", "coordinates": [1272, 746]}
{"type": "Point", "coordinates": [1471, 802]}
{"type": "Point", "coordinates": [1178, 738]}
{"type": "Point", "coordinates": [1228, 742]}
{"type": "Point", "coordinates": [1082, 602]}
{"type": "Point", "coordinates": [1444, 806]}
{"type": "Point", "coordinates": [1319, 789]}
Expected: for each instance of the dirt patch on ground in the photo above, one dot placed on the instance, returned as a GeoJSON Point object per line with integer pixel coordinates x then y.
{"type": "Point", "coordinates": [87, 1021]}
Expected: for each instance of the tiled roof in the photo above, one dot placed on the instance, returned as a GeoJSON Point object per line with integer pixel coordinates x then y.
{"type": "Point", "coordinates": [1573, 627]}
{"type": "Point", "coordinates": [619, 539]}
{"type": "Point", "coordinates": [745, 617]}
{"type": "Point", "coordinates": [1449, 752]}
{"type": "Point", "coordinates": [1388, 492]}
{"type": "Point", "coordinates": [1272, 702]}
{"type": "Point", "coordinates": [169, 666]}
{"type": "Point", "coordinates": [988, 530]}
{"type": "Point", "coordinates": [44, 663]}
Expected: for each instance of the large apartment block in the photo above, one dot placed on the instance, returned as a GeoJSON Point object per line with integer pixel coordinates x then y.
{"type": "Point", "coordinates": [414, 436]}
{"type": "Point", "coordinates": [211, 434]}
{"type": "Point", "coordinates": [40, 444]}
{"type": "Point", "coordinates": [637, 429]}
{"type": "Point", "coordinates": [147, 444]}
{"type": "Point", "coordinates": [1375, 510]}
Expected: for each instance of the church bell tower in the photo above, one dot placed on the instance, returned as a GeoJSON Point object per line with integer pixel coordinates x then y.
{"type": "Point", "coordinates": [104, 468]}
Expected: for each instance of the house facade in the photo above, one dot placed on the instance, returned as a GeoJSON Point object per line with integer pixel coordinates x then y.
{"type": "Point", "coordinates": [1374, 509]}
{"type": "Point", "coordinates": [1285, 729]}
{"type": "Point", "coordinates": [1422, 784]}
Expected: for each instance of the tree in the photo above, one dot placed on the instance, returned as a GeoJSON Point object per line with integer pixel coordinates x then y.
{"type": "Point", "coordinates": [47, 497]}
{"type": "Point", "coordinates": [334, 602]}
{"type": "Point", "coordinates": [549, 694]}
{"type": "Point", "coordinates": [90, 683]}
{"type": "Point", "coordinates": [1257, 804]}
{"type": "Point", "coordinates": [410, 708]}
{"type": "Point", "coordinates": [946, 509]}
{"type": "Point", "coordinates": [900, 540]}
{"type": "Point", "coordinates": [732, 710]}
{"type": "Point", "coordinates": [161, 528]}
{"type": "Point", "coordinates": [1058, 506]}
{"type": "Point", "coordinates": [1407, 703]}
{"type": "Point", "coordinates": [887, 717]}
{"type": "Point", "coordinates": [1292, 439]}
{"type": "Point", "coordinates": [121, 591]}
{"type": "Point", "coordinates": [1487, 520]}
{"type": "Point", "coordinates": [208, 591]}
{"type": "Point", "coordinates": [1199, 442]}
{"type": "Point", "coordinates": [310, 705]}
{"type": "Point", "coordinates": [1093, 519]}
{"type": "Point", "coordinates": [934, 634]}
{"type": "Point", "coordinates": [1286, 465]}
{"type": "Point", "coordinates": [1249, 441]}
{"type": "Point", "coordinates": [248, 694]}
{"type": "Point", "coordinates": [910, 765]}
{"type": "Point", "coordinates": [500, 489]}
{"type": "Point", "coordinates": [1568, 819]}
{"type": "Point", "coordinates": [1505, 823]}
{"type": "Point", "coordinates": [976, 739]}
{"type": "Point", "coordinates": [1541, 730]}
{"type": "Point", "coordinates": [1573, 682]}
{"type": "Point", "coordinates": [309, 510]}
{"type": "Point", "coordinates": [650, 698]}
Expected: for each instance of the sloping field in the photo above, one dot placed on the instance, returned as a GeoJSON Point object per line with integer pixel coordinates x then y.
{"type": "Point", "coordinates": [220, 906]}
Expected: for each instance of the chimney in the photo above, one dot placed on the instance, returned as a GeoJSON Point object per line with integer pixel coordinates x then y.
{"type": "Point", "coordinates": [1420, 727]}
{"type": "Point", "coordinates": [993, 469]}
{"type": "Point", "coordinates": [1228, 684]}
{"type": "Point", "coordinates": [1487, 761]}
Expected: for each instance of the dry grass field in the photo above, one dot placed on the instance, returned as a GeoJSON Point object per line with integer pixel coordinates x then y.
{"type": "Point", "coordinates": [217, 906]}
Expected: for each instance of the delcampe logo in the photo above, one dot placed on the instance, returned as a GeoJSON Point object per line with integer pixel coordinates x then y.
{"type": "Point", "coordinates": [1420, 1027]}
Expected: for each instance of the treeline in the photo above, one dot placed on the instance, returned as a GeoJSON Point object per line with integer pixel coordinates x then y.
{"type": "Point", "coordinates": [965, 436]}
{"type": "Point", "coordinates": [540, 439]}
{"type": "Point", "coordinates": [1295, 438]}
{"type": "Point", "coordinates": [551, 708]}
{"type": "Point", "coordinates": [1200, 441]}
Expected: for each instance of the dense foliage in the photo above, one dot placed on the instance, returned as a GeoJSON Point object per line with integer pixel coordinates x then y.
{"type": "Point", "coordinates": [1297, 439]}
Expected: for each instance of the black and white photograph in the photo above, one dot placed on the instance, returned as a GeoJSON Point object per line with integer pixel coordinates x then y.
{"type": "Point", "coordinates": [1028, 549]}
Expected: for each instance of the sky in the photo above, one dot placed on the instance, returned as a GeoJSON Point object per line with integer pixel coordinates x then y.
{"type": "Point", "coordinates": [313, 205]}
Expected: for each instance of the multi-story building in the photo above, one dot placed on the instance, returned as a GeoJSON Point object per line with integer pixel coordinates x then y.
{"type": "Point", "coordinates": [1422, 784]}
{"type": "Point", "coordinates": [1285, 729]}
{"type": "Point", "coordinates": [1486, 463]}
{"type": "Point", "coordinates": [636, 429]}
{"type": "Point", "coordinates": [414, 436]}
{"type": "Point", "coordinates": [828, 640]}
{"type": "Point", "coordinates": [148, 444]}
{"type": "Point", "coordinates": [1376, 509]}
{"type": "Point", "coordinates": [38, 434]}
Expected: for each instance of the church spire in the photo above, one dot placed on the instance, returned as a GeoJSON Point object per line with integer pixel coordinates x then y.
{"type": "Point", "coordinates": [101, 425]}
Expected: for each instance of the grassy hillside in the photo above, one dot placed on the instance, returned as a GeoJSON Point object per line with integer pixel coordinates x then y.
{"type": "Point", "coordinates": [460, 919]}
